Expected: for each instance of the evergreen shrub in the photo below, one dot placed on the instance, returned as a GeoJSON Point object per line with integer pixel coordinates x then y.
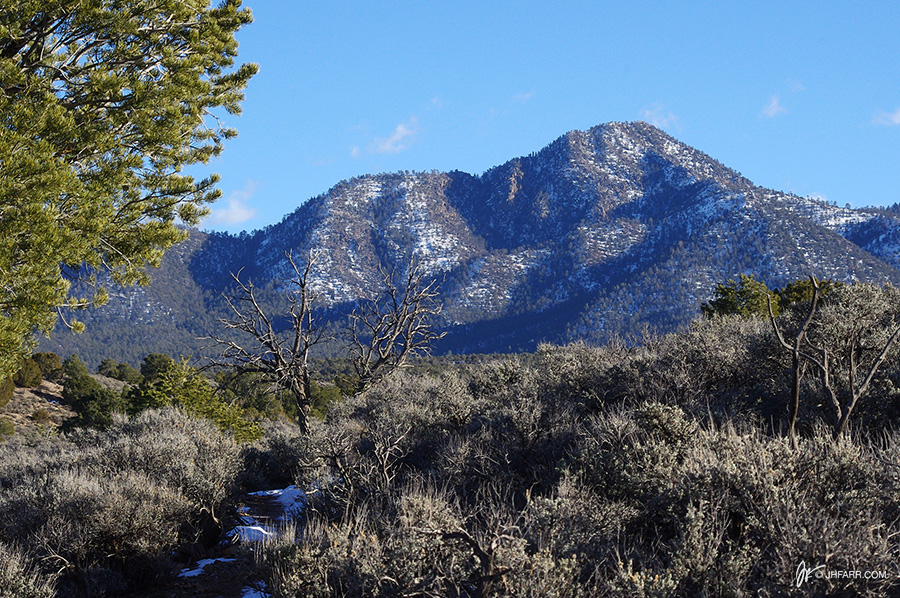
{"type": "Point", "coordinates": [7, 388]}
{"type": "Point", "coordinates": [29, 374]}
{"type": "Point", "coordinates": [7, 428]}
{"type": "Point", "coordinates": [50, 365]}
{"type": "Point", "coordinates": [181, 385]}
{"type": "Point", "coordinates": [41, 416]}
{"type": "Point", "coordinates": [94, 404]}
{"type": "Point", "coordinates": [120, 371]}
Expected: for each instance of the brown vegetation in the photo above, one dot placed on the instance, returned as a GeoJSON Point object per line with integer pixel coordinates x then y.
{"type": "Point", "coordinates": [26, 402]}
{"type": "Point", "coordinates": [665, 468]}
{"type": "Point", "coordinates": [655, 470]}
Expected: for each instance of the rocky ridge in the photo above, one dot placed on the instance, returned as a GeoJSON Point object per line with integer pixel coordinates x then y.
{"type": "Point", "coordinates": [600, 233]}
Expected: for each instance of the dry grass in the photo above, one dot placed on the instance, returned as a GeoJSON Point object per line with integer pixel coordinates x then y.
{"type": "Point", "coordinates": [26, 402]}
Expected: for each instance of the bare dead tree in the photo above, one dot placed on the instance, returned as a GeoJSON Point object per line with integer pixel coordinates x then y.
{"type": "Point", "coordinates": [387, 331]}
{"type": "Point", "coordinates": [282, 358]}
{"type": "Point", "coordinates": [798, 365]}
{"type": "Point", "coordinates": [857, 392]}
{"type": "Point", "coordinates": [804, 351]}
{"type": "Point", "coordinates": [848, 332]}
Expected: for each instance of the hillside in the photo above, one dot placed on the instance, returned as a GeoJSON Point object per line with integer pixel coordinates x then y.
{"type": "Point", "coordinates": [37, 411]}
{"type": "Point", "coordinates": [598, 234]}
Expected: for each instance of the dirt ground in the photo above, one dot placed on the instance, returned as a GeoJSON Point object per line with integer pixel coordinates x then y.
{"type": "Point", "coordinates": [25, 407]}
{"type": "Point", "coordinates": [223, 579]}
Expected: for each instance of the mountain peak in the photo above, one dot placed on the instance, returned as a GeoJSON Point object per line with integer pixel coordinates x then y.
{"type": "Point", "coordinates": [599, 233]}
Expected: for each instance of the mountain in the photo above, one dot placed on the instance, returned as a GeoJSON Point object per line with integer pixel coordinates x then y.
{"type": "Point", "coordinates": [600, 233]}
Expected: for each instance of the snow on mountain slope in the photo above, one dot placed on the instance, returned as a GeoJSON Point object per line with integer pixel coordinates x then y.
{"type": "Point", "coordinates": [599, 233]}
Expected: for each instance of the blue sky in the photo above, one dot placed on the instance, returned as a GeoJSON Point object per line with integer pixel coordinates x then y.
{"type": "Point", "coordinates": [798, 96]}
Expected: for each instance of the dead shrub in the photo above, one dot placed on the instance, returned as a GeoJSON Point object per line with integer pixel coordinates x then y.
{"type": "Point", "coordinates": [20, 579]}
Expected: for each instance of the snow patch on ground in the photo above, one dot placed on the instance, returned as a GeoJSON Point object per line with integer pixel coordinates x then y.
{"type": "Point", "coordinates": [256, 592]}
{"type": "Point", "coordinates": [252, 533]}
{"type": "Point", "coordinates": [257, 527]}
{"type": "Point", "coordinates": [291, 499]}
{"type": "Point", "coordinates": [200, 565]}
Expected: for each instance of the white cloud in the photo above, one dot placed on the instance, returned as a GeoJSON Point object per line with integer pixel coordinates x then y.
{"type": "Point", "coordinates": [888, 119]}
{"type": "Point", "coordinates": [236, 209]}
{"type": "Point", "coordinates": [355, 151]}
{"type": "Point", "coordinates": [658, 116]}
{"type": "Point", "coordinates": [774, 108]}
{"type": "Point", "coordinates": [521, 98]}
{"type": "Point", "coordinates": [399, 140]}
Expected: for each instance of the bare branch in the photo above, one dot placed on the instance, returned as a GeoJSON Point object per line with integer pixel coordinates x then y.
{"type": "Point", "coordinates": [856, 394]}
{"type": "Point", "coordinates": [282, 357]}
{"type": "Point", "coordinates": [389, 330]}
{"type": "Point", "coordinates": [797, 368]}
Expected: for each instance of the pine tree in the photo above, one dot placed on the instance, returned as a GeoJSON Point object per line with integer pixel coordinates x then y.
{"type": "Point", "coordinates": [746, 297]}
{"type": "Point", "coordinates": [102, 104]}
{"type": "Point", "coordinates": [29, 374]}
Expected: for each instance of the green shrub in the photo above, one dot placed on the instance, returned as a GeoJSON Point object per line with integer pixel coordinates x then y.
{"type": "Point", "coordinates": [41, 416]}
{"type": "Point", "coordinates": [323, 396]}
{"type": "Point", "coordinates": [50, 366]}
{"type": "Point", "coordinates": [73, 367]}
{"type": "Point", "coordinates": [107, 367]}
{"type": "Point", "coordinates": [7, 428]}
{"type": "Point", "coordinates": [254, 393]}
{"type": "Point", "coordinates": [7, 388]}
{"type": "Point", "coordinates": [120, 371]}
{"type": "Point", "coordinates": [94, 404]}
{"type": "Point", "coordinates": [183, 386]}
{"type": "Point", "coordinates": [347, 383]}
{"type": "Point", "coordinates": [154, 365]}
{"type": "Point", "coordinates": [126, 373]}
{"type": "Point", "coordinates": [746, 297]}
{"type": "Point", "coordinates": [29, 374]}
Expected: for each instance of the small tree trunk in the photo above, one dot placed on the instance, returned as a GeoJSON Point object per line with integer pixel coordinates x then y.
{"type": "Point", "coordinates": [302, 392]}
{"type": "Point", "coordinates": [795, 398]}
{"type": "Point", "coordinates": [797, 367]}
{"type": "Point", "coordinates": [841, 426]}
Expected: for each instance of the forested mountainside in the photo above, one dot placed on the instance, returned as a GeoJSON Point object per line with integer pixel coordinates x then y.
{"type": "Point", "coordinates": [600, 233]}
